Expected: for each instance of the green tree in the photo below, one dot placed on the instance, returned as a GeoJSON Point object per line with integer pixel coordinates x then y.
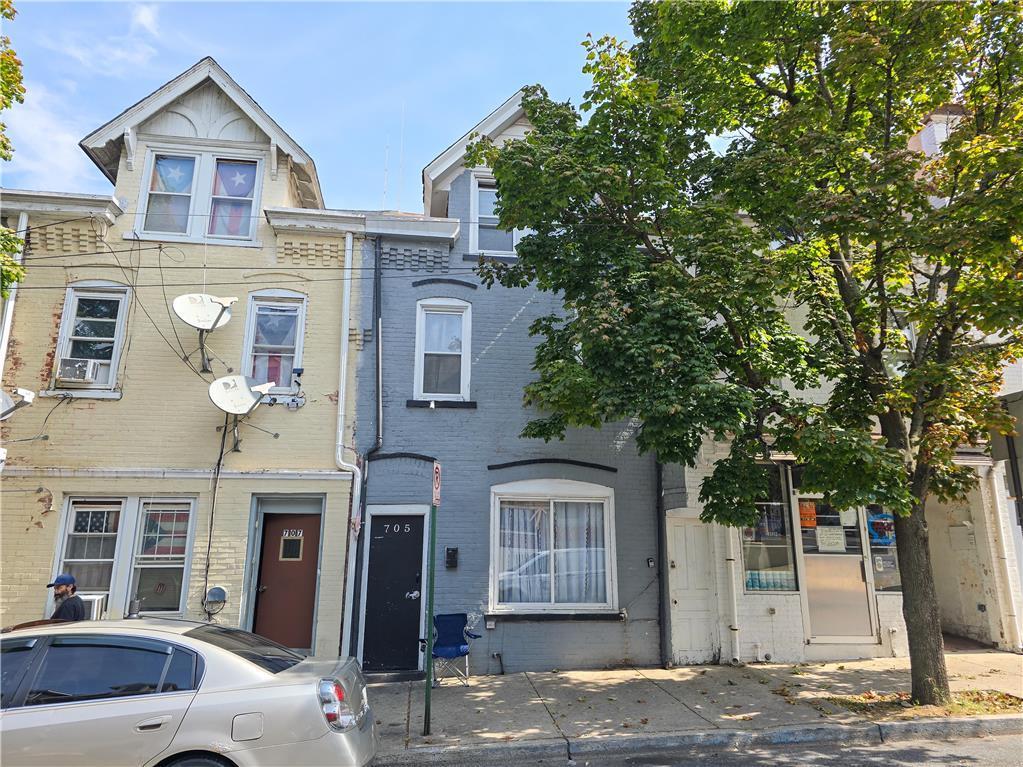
{"type": "Point", "coordinates": [11, 90]}
{"type": "Point", "coordinates": [820, 288]}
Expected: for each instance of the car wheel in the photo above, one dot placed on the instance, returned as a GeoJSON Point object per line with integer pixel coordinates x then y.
{"type": "Point", "coordinates": [198, 760]}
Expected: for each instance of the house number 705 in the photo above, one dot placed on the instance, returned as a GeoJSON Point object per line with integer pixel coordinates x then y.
{"type": "Point", "coordinates": [395, 529]}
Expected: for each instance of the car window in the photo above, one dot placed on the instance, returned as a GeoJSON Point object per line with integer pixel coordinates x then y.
{"type": "Point", "coordinates": [94, 667]}
{"type": "Point", "coordinates": [181, 672]}
{"type": "Point", "coordinates": [265, 653]}
{"type": "Point", "coordinates": [14, 657]}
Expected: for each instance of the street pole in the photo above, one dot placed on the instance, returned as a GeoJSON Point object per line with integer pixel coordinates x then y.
{"type": "Point", "coordinates": [430, 572]}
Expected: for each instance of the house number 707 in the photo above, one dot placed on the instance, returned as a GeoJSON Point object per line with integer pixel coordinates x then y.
{"type": "Point", "coordinates": [292, 533]}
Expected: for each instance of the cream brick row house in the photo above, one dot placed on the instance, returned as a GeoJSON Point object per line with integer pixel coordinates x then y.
{"type": "Point", "coordinates": [123, 472]}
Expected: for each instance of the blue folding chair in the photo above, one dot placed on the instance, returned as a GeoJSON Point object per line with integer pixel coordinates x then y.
{"type": "Point", "coordinates": [451, 642]}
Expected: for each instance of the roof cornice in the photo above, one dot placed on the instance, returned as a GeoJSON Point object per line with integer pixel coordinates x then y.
{"type": "Point", "coordinates": [370, 223]}
{"type": "Point", "coordinates": [104, 207]}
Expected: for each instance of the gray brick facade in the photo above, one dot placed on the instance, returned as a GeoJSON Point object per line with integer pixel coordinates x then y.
{"type": "Point", "coordinates": [469, 440]}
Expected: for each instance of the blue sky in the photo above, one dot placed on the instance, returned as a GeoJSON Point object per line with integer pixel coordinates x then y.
{"type": "Point", "coordinates": [334, 75]}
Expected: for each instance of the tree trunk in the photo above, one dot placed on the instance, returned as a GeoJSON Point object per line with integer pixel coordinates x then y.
{"type": "Point", "coordinates": [920, 609]}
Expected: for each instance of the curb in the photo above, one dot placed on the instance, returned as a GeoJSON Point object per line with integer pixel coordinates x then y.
{"type": "Point", "coordinates": [866, 734]}
{"type": "Point", "coordinates": [950, 728]}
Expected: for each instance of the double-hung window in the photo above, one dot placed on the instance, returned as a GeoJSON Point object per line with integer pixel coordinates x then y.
{"type": "Point", "coordinates": [485, 234]}
{"type": "Point", "coordinates": [127, 548]}
{"type": "Point", "coordinates": [274, 335]}
{"type": "Point", "coordinates": [91, 336]}
{"type": "Point", "coordinates": [552, 551]}
{"type": "Point", "coordinates": [200, 195]}
{"type": "Point", "coordinates": [443, 335]}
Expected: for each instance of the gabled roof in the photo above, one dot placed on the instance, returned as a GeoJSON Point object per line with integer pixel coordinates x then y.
{"type": "Point", "coordinates": [104, 144]}
{"type": "Point", "coordinates": [438, 174]}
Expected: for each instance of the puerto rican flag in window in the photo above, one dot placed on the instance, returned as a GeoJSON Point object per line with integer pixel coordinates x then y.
{"type": "Point", "coordinates": [233, 186]}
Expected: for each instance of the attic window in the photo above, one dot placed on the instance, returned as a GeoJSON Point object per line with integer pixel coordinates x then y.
{"type": "Point", "coordinates": [197, 196]}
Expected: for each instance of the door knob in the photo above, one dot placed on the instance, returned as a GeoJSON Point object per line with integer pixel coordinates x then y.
{"type": "Point", "coordinates": [261, 589]}
{"type": "Point", "coordinates": [411, 595]}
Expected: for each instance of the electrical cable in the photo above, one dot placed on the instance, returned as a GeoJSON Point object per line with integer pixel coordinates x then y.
{"type": "Point", "coordinates": [52, 223]}
{"type": "Point", "coordinates": [213, 509]}
{"type": "Point", "coordinates": [417, 275]}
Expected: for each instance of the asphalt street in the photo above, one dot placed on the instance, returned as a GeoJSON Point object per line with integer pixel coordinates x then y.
{"type": "Point", "coordinates": [1000, 751]}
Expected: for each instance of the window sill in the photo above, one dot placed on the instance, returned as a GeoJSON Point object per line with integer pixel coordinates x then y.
{"type": "Point", "coordinates": [525, 617]}
{"type": "Point", "coordinates": [509, 258]}
{"type": "Point", "coordinates": [217, 241]}
{"type": "Point", "coordinates": [454, 404]}
{"type": "Point", "coordinates": [81, 393]}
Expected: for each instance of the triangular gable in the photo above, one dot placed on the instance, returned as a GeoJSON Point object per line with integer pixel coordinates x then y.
{"type": "Point", "coordinates": [508, 118]}
{"type": "Point", "coordinates": [104, 145]}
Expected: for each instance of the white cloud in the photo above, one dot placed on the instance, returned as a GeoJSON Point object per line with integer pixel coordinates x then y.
{"type": "Point", "coordinates": [45, 137]}
{"type": "Point", "coordinates": [145, 17]}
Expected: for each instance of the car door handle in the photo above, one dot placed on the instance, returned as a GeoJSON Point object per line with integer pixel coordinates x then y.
{"type": "Point", "coordinates": [151, 725]}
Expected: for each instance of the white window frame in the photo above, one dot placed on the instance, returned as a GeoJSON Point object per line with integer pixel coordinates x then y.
{"type": "Point", "coordinates": [554, 490]}
{"type": "Point", "coordinates": [443, 306]}
{"type": "Point", "coordinates": [476, 179]}
{"type": "Point", "coordinates": [128, 538]}
{"type": "Point", "coordinates": [279, 298]}
{"type": "Point", "coordinates": [201, 206]}
{"type": "Point", "coordinates": [102, 289]}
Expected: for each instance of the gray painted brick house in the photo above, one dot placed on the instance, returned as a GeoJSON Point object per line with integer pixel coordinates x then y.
{"type": "Point", "coordinates": [551, 549]}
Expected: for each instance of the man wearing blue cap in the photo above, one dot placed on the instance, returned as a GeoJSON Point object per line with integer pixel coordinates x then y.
{"type": "Point", "coordinates": [70, 606]}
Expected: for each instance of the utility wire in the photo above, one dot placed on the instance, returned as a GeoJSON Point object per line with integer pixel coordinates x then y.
{"type": "Point", "coordinates": [418, 275]}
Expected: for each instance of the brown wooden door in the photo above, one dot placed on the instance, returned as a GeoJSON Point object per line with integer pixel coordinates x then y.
{"type": "Point", "coordinates": [286, 590]}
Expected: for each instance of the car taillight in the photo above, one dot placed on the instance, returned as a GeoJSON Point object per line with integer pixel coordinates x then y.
{"type": "Point", "coordinates": [336, 709]}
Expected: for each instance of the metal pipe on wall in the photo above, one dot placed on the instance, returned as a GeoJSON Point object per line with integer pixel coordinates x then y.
{"type": "Point", "coordinates": [735, 655]}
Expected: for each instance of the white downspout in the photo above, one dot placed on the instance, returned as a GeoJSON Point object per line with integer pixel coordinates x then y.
{"type": "Point", "coordinates": [5, 334]}
{"type": "Point", "coordinates": [339, 458]}
{"type": "Point", "coordinates": [733, 597]}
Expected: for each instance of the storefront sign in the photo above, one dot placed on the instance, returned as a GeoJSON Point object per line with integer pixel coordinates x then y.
{"type": "Point", "coordinates": [881, 528]}
{"type": "Point", "coordinates": [807, 513]}
{"type": "Point", "coordinates": [885, 563]}
{"type": "Point", "coordinates": [831, 540]}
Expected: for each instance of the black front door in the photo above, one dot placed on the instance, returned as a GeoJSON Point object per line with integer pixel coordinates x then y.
{"type": "Point", "coordinates": [394, 598]}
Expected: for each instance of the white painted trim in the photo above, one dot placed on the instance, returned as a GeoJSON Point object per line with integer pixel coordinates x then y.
{"type": "Point", "coordinates": [276, 298]}
{"type": "Point", "coordinates": [104, 207]}
{"type": "Point", "coordinates": [128, 536]}
{"type": "Point", "coordinates": [475, 177]}
{"type": "Point", "coordinates": [114, 394]}
{"type": "Point", "coordinates": [157, 473]}
{"type": "Point", "coordinates": [8, 306]}
{"type": "Point", "coordinates": [92, 289]}
{"type": "Point", "coordinates": [205, 69]}
{"type": "Point", "coordinates": [394, 510]}
{"type": "Point", "coordinates": [445, 306]}
{"type": "Point", "coordinates": [554, 490]}
{"type": "Point", "coordinates": [200, 206]}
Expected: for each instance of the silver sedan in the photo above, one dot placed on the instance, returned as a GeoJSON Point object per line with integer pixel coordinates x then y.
{"type": "Point", "coordinates": [168, 693]}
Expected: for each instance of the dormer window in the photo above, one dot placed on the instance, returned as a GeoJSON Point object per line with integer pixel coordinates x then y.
{"type": "Point", "coordinates": [485, 234]}
{"type": "Point", "coordinates": [200, 196]}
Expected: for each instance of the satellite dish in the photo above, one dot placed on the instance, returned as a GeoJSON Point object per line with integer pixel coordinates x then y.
{"type": "Point", "coordinates": [236, 395]}
{"type": "Point", "coordinates": [205, 313]}
{"type": "Point", "coordinates": [8, 405]}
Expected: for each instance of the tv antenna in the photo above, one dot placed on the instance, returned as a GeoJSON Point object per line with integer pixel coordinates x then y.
{"type": "Point", "coordinates": [238, 396]}
{"type": "Point", "coordinates": [205, 313]}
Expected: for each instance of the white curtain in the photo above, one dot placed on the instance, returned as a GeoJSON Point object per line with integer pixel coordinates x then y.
{"type": "Point", "coordinates": [525, 552]}
{"type": "Point", "coordinates": [579, 570]}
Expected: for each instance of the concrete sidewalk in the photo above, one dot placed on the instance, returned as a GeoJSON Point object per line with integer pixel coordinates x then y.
{"type": "Point", "coordinates": [573, 713]}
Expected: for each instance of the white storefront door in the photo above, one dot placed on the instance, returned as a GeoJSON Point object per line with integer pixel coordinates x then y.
{"type": "Point", "coordinates": [692, 591]}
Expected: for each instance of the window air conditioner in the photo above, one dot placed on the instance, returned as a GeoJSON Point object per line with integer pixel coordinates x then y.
{"type": "Point", "coordinates": [95, 606]}
{"type": "Point", "coordinates": [75, 370]}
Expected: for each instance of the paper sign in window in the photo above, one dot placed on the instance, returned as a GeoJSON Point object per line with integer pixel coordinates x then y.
{"type": "Point", "coordinates": [831, 540]}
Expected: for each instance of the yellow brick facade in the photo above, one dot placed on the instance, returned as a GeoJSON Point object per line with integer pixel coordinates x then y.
{"type": "Point", "coordinates": [160, 438]}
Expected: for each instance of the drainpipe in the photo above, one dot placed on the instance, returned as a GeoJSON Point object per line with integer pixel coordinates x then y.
{"type": "Point", "coordinates": [339, 459]}
{"type": "Point", "coordinates": [1009, 611]}
{"type": "Point", "coordinates": [733, 596]}
{"type": "Point", "coordinates": [5, 334]}
{"type": "Point", "coordinates": [378, 443]}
